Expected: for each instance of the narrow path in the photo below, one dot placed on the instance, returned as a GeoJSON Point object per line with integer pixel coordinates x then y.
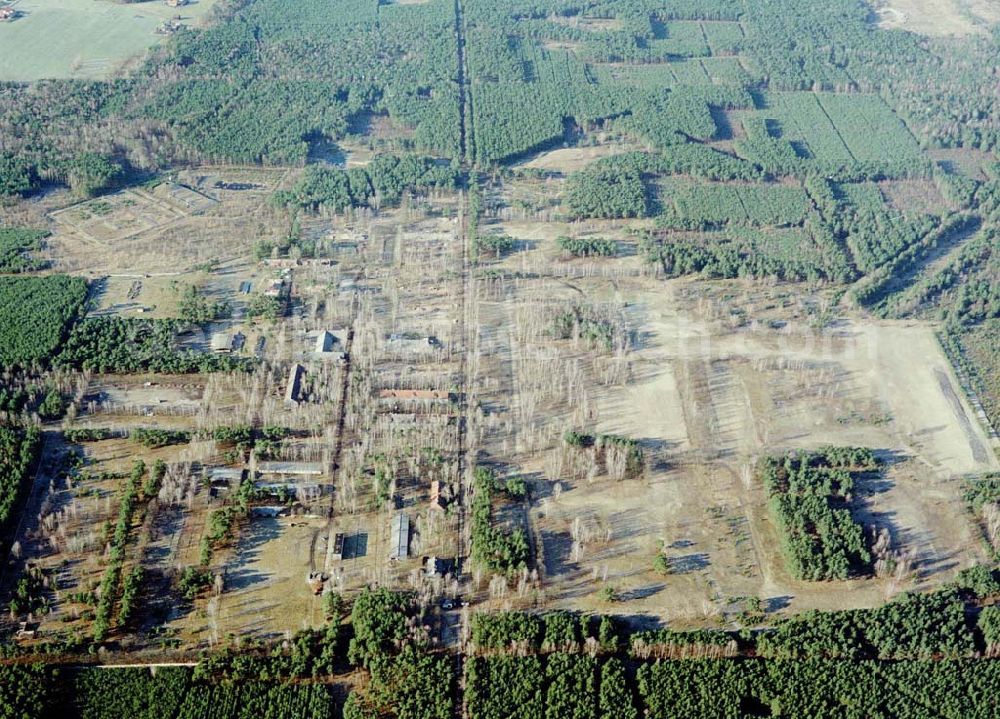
{"type": "Point", "coordinates": [466, 454]}
{"type": "Point", "coordinates": [460, 77]}
{"type": "Point", "coordinates": [930, 260]}
{"type": "Point", "coordinates": [935, 259]}
{"type": "Point", "coordinates": [345, 384]}
{"type": "Point", "coordinates": [836, 129]}
{"type": "Point", "coordinates": [146, 665]}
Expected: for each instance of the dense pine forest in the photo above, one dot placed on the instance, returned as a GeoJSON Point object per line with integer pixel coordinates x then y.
{"type": "Point", "coordinates": [773, 92]}
{"type": "Point", "coordinates": [911, 658]}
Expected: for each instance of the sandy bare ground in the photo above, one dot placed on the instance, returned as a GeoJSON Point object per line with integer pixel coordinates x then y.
{"type": "Point", "coordinates": [939, 17]}
{"type": "Point", "coordinates": [706, 400]}
{"type": "Point", "coordinates": [266, 589]}
{"type": "Point", "coordinates": [572, 159]}
{"type": "Point", "coordinates": [170, 229]}
{"type": "Point", "coordinates": [897, 366]}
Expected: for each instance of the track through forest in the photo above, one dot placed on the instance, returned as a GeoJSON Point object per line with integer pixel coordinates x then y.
{"type": "Point", "coordinates": [467, 287]}
{"type": "Point", "coordinates": [460, 77]}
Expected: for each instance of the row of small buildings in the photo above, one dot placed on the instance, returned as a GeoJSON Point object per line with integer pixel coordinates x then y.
{"type": "Point", "coordinates": [294, 479]}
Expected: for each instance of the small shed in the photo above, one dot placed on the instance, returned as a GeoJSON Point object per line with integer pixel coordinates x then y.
{"type": "Point", "coordinates": [275, 287]}
{"type": "Point", "coordinates": [329, 341]}
{"type": "Point", "coordinates": [438, 567]}
{"type": "Point", "coordinates": [338, 547]}
{"type": "Point", "coordinates": [224, 476]}
{"type": "Point", "coordinates": [27, 630]}
{"type": "Point", "coordinates": [399, 537]}
{"type": "Point", "coordinates": [437, 503]}
{"type": "Point", "coordinates": [325, 342]}
{"type": "Point", "coordinates": [294, 386]}
{"type": "Point", "coordinates": [222, 342]}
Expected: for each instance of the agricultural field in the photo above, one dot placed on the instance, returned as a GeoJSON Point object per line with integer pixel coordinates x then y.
{"type": "Point", "coordinates": [85, 40]}
{"type": "Point", "coordinates": [490, 359]}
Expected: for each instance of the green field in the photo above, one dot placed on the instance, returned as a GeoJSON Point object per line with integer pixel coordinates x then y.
{"type": "Point", "coordinates": [86, 39]}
